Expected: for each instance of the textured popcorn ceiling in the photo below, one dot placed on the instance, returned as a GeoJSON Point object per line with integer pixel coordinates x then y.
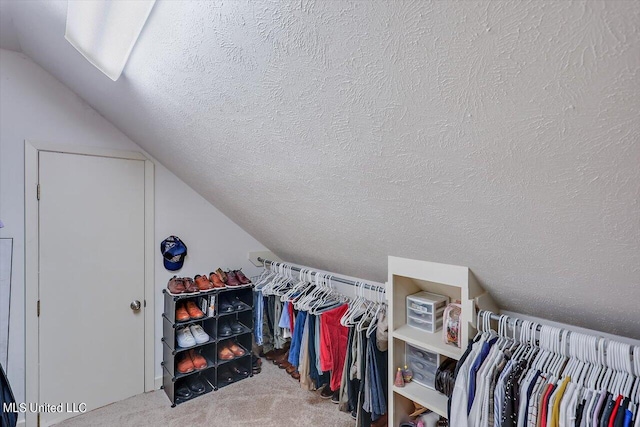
{"type": "Point", "coordinates": [499, 135]}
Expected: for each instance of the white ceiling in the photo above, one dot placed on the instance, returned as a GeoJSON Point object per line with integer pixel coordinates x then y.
{"type": "Point", "coordinates": [499, 135]}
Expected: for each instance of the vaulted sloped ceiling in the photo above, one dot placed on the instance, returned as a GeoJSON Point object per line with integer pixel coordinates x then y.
{"type": "Point", "coordinates": [504, 136]}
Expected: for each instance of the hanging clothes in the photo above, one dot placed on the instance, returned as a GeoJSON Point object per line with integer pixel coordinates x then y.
{"type": "Point", "coordinates": [333, 344]}
{"type": "Point", "coordinates": [528, 387]}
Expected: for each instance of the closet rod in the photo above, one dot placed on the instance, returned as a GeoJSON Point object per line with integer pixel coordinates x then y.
{"type": "Point", "coordinates": [496, 317]}
{"type": "Point", "coordinates": [511, 319]}
{"type": "Point", "coordinates": [377, 288]}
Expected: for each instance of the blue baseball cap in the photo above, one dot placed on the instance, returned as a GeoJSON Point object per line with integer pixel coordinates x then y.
{"type": "Point", "coordinates": [173, 252]}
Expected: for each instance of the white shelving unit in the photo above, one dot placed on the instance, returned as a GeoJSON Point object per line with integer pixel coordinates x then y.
{"type": "Point", "coordinates": [407, 277]}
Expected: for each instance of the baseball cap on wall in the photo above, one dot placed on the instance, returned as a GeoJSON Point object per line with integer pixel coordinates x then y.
{"type": "Point", "coordinates": [173, 251]}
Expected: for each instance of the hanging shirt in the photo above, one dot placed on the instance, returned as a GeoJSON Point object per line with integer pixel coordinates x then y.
{"type": "Point", "coordinates": [604, 418]}
{"type": "Point", "coordinates": [511, 401]}
{"type": "Point", "coordinates": [484, 352]}
{"type": "Point", "coordinates": [498, 395]}
{"type": "Point", "coordinates": [600, 409]}
{"type": "Point", "coordinates": [555, 413]}
{"type": "Point", "coordinates": [475, 416]}
{"type": "Point", "coordinates": [524, 403]}
{"type": "Point", "coordinates": [460, 394]}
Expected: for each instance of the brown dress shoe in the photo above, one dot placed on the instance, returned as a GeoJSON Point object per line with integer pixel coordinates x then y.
{"type": "Point", "coordinates": [225, 354]}
{"type": "Point", "coordinates": [296, 375]}
{"type": "Point", "coordinates": [181, 313]}
{"type": "Point", "coordinates": [222, 275]}
{"type": "Point", "coordinates": [281, 358]}
{"type": "Point", "coordinates": [217, 282]}
{"type": "Point", "coordinates": [190, 286]}
{"type": "Point", "coordinates": [242, 278]}
{"type": "Point", "coordinates": [274, 354]}
{"type": "Point", "coordinates": [236, 349]}
{"type": "Point", "coordinates": [193, 310]}
{"type": "Point", "coordinates": [185, 364]}
{"type": "Point", "coordinates": [176, 286]}
{"type": "Point", "coordinates": [291, 369]}
{"type": "Point", "coordinates": [203, 283]}
{"type": "Point", "coordinates": [199, 362]}
{"type": "Point", "coordinates": [232, 280]}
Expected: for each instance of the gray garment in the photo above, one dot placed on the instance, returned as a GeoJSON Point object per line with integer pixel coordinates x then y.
{"type": "Point", "coordinates": [278, 334]}
{"type": "Point", "coordinates": [317, 340]}
{"type": "Point", "coordinates": [267, 337]}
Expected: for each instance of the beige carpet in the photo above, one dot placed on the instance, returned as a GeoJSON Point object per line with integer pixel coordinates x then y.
{"type": "Point", "coordinates": [271, 398]}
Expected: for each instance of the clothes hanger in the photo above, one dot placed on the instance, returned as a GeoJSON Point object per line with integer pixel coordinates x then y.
{"type": "Point", "coordinates": [374, 321]}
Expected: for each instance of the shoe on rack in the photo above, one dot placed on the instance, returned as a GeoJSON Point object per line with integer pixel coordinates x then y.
{"type": "Point", "coordinates": [238, 370]}
{"type": "Point", "coordinates": [199, 334]}
{"type": "Point", "coordinates": [225, 353]}
{"type": "Point", "coordinates": [203, 283]}
{"type": "Point", "coordinates": [232, 280]}
{"type": "Point", "coordinates": [217, 282]}
{"type": "Point", "coordinates": [224, 305]}
{"type": "Point", "coordinates": [335, 397]}
{"type": "Point", "coordinates": [176, 286]}
{"type": "Point", "coordinates": [238, 304]}
{"type": "Point", "coordinates": [184, 364]}
{"type": "Point", "coordinates": [326, 392]}
{"type": "Point", "coordinates": [222, 275]}
{"type": "Point", "coordinates": [184, 338]}
{"type": "Point", "coordinates": [193, 310]}
{"type": "Point", "coordinates": [236, 327]}
{"type": "Point", "coordinates": [242, 278]}
{"type": "Point", "coordinates": [224, 330]}
{"type": "Point", "coordinates": [182, 315]}
{"type": "Point", "coordinates": [199, 362]}
{"type": "Point", "coordinates": [196, 385]}
{"type": "Point", "coordinates": [183, 392]}
{"type": "Point", "coordinates": [236, 349]}
{"type": "Point", "coordinates": [190, 285]}
{"type": "Point", "coordinates": [225, 376]}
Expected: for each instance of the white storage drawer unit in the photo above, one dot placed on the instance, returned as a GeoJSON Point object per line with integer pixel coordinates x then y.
{"type": "Point", "coordinates": [424, 365]}
{"type": "Point", "coordinates": [424, 310]}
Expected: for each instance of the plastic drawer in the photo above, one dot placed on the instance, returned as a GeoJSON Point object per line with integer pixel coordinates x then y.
{"type": "Point", "coordinates": [425, 356]}
{"type": "Point", "coordinates": [424, 325]}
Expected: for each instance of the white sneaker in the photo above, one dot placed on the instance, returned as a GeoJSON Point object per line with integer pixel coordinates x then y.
{"type": "Point", "coordinates": [184, 337]}
{"type": "Point", "coordinates": [199, 334]}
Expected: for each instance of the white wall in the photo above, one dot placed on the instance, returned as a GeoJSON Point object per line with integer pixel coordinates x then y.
{"type": "Point", "coordinates": [36, 106]}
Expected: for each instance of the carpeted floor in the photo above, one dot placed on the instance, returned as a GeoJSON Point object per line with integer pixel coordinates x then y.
{"type": "Point", "coordinates": [271, 398]}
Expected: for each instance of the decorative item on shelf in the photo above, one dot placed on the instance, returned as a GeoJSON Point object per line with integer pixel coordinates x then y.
{"type": "Point", "coordinates": [451, 331]}
{"type": "Point", "coordinates": [399, 382]}
{"type": "Point", "coordinates": [407, 374]}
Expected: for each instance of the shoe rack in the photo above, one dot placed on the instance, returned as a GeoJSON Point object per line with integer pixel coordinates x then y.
{"type": "Point", "coordinates": [217, 373]}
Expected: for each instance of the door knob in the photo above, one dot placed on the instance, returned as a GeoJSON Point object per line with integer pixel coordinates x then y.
{"type": "Point", "coordinates": [135, 305]}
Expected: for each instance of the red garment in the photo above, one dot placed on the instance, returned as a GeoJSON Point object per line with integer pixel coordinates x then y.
{"type": "Point", "coordinates": [545, 405]}
{"type": "Point", "coordinates": [333, 344]}
{"type": "Point", "coordinates": [612, 419]}
{"type": "Point", "coordinates": [291, 316]}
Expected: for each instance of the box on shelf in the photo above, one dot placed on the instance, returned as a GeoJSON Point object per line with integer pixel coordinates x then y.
{"type": "Point", "coordinates": [425, 309]}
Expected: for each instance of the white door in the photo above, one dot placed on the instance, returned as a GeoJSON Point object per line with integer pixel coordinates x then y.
{"type": "Point", "coordinates": [91, 219]}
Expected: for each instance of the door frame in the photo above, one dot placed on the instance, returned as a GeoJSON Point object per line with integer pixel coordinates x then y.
{"type": "Point", "coordinates": [31, 248]}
